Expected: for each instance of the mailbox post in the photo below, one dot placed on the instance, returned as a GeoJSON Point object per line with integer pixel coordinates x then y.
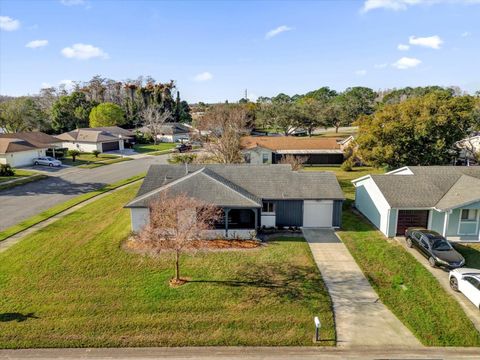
{"type": "Point", "coordinates": [318, 325]}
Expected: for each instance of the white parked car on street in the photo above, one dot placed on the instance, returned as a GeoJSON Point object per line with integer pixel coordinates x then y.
{"type": "Point", "coordinates": [467, 281]}
{"type": "Point", "coordinates": [47, 160]}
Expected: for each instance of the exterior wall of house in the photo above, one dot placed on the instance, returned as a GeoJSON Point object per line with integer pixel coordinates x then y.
{"type": "Point", "coordinates": [337, 213]}
{"type": "Point", "coordinates": [268, 220]}
{"type": "Point", "coordinates": [459, 228]}
{"type": "Point", "coordinates": [392, 222]}
{"type": "Point", "coordinates": [437, 220]}
{"type": "Point", "coordinates": [22, 158]}
{"type": "Point", "coordinates": [173, 138]}
{"type": "Point", "coordinates": [372, 204]}
{"type": "Point", "coordinates": [82, 146]}
{"type": "Point", "coordinates": [256, 156]}
{"type": "Point", "coordinates": [139, 218]}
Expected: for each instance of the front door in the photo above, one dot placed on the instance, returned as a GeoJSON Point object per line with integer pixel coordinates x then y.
{"type": "Point", "coordinates": [411, 218]}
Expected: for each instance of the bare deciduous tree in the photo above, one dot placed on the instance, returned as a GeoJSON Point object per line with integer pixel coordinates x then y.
{"type": "Point", "coordinates": [296, 162]}
{"type": "Point", "coordinates": [153, 119]}
{"type": "Point", "coordinates": [177, 223]}
{"type": "Point", "coordinates": [226, 124]}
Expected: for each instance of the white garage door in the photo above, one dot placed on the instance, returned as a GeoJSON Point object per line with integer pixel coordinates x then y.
{"type": "Point", "coordinates": [317, 213]}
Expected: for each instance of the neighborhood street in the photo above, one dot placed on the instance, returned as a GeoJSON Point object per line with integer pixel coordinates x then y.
{"type": "Point", "coordinates": [24, 201]}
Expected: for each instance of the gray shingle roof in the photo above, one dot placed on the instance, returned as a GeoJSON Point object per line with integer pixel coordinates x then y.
{"type": "Point", "coordinates": [94, 135]}
{"type": "Point", "coordinates": [250, 182]}
{"type": "Point", "coordinates": [443, 187]}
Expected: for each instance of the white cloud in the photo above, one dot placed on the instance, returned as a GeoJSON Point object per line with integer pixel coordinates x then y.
{"type": "Point", "coordinates": [204, 76]}
{"type": "Point", "coordinates": [72, 2]}
{"type": "Point", "coordinates": [406, 63]}
{"type": "Point", "coordinates": [380, 66]}
{"type": "Point", "coordinates": [398, 5]}
{"type": "Point", "coordinates": [361, 72]}
{"type": "Point", "coordinates": [433, 42]}
{"type": "Point", "coordinates": [277, 31]}
{"type": "Point", "coordinates": [9, 24]}
{"type": "Point", "coordinates": [67, 83]}
{"type": "Point", "coordinates": [403, 47]}
{"type": "Point", "coordinates": [36, 44]}
{"type": "Point", "coordinates": [466, 34]}
{"type": "Point", "coordinates": [83, 52]}
{"type": "Point", "coordinates": [45, 85]}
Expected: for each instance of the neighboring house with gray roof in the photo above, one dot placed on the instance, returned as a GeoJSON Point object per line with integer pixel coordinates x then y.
{"type": "Point", "coordinates": [251, 196]}
{"type": "Point", "coordinates": [110, 138]}
{"type": "Point", "coordinates": [171, 132]}
{"type": "Point", "coordinates": [20, 149]}
{"type": "Point", "coordinates": [441, 198]}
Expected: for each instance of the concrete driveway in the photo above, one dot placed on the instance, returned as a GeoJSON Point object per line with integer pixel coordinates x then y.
{"type": "Point", "coordinates": [361, 319]}
{"type": "Point", "coordinates": [24, 201]}
{"type": "Point", "coordinates": [442, 275]}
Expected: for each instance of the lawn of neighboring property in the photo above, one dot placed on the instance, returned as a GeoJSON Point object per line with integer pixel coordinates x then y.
{"type": "Point", "coordinates": [471, 253]}
{"type": "Point", "coordinates": [88, 160]}
{"type": "Point", "coordinates": [345, 177]}
{"type": "Point", "coordinates": [408, 289]}
{"type": "Point", "coordinates": [72, 285]}
{"type": "Point", "coordinates": [147, 148]}
{"type": "Point", "coordinates": [19, 173]}
{"type": "Point", "coordinates": [21, 177]}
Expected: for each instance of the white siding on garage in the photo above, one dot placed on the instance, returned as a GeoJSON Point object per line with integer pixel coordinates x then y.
{"type": "Point", "coordinates": [370, 201]}
{"type": "Point", "coordinates": [317, 213]}
{"type": "Point", "coordinates": [140, 217]}
{"type": "Point", "coordinates": [22, 158]}
{"type": "Point", "coordinates": [82, 146]}
{"type": "Point", "coordinates": [268, 220]}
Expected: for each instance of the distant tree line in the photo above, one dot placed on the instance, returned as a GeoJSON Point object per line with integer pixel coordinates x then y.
{"type": "Point", "coordinates": [97, 102]}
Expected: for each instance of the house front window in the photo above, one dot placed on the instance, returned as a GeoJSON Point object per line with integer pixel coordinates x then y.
{"type": "Point", "coordinates": [265, 158]}
{"type": "Point", "coordinates": [247, 158]}
{"type": "Point", "coordinates": [268, 207]}
{"type": "Point", "coordinates": [469, 215]}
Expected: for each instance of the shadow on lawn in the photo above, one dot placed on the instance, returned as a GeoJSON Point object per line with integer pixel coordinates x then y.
{"type": "Point", "coordinates": [284, 282]}
{"type": "Point", "coordinates": [18, 317]}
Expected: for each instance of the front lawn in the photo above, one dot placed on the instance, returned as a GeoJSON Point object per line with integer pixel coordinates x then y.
{"type": "Point", "coordinates": [88, 160]}
{"type": "Point", "coordinates": [147, 148]}
{"type": "Point", "coordinates": [72, 285]}
{"type": "Point", "coordinates": [19, 174]}
{"type": "Point", "coordinates": [471, 253]}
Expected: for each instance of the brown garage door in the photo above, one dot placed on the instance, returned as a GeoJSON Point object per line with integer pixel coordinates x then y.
{"type": "Point", "coordinates": [411, 218]}
{"type": "Point", "coordinates": [110, 146]}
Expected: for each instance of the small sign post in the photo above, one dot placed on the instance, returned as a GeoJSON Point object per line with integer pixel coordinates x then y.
{"type": "Point", "coordinates": [318, 325]}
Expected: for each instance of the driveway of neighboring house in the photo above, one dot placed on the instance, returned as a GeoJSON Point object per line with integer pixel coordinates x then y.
{"type": "Point", "coordinates": [361, 319]}
{"type": "Point", "coordinates": [442, 276]}
{"type": "Point", "coordinates": [23, 201]}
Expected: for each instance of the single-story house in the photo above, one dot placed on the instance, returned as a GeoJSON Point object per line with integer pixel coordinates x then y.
{"type": "Point", "coordinates": [272, 149]}
{"type": "Point", "coordinates": [251, 196]}
{"type": "Point", "coordinates": [20, 149]}
{"type": "Point", "coordinates": [441, 198]}
{"type": "Point", "coordinates": [103, 139]}
{"type": "Point", "coordinates": [171, 132]}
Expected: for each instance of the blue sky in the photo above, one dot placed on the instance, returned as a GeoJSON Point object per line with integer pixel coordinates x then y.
{"type": "Point", "coordinates": [217, 49]}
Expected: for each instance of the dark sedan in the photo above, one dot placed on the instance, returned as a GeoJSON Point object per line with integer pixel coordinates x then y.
{"type": "Point", "coordinates": [434, 247]}
{"type": "Point", "coordinates": [181, 148]}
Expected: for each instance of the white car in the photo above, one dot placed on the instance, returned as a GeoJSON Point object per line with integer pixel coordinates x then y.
{"type": "Point", "coordinates": [467, 281]}
{"type": "Point", "coordinates": [47, 160]}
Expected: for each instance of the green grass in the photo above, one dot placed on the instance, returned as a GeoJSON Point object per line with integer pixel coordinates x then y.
{"type": "Point", "coordinates": [19, 173]}
{"type": "Point", "coordinates": [148, 148]}
{"type": "Point", "coordinates": [345, 178]}
{"type": "Point", "coordinates": [20, 180]}
{"type": "Point", "coordinates": [72, 285]}
{"type": "Point", "coordinates": [47, 214]}
{"type": "Point", "coordinates": [88, 161]}
{"type": "Point", "coordinates": [408, 289]}
{"type": "Point", "coordinates": [471, 253]}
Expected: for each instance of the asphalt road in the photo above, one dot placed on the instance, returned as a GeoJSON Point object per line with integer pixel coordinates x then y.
{"type": "Point", "coordinates": [24, 201]}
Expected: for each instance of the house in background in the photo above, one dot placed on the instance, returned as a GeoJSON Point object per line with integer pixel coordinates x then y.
{"type": "Point", "coordinates": [103, 139]}
{"type": "Point", "coordinates": [469, 149]}
{"type": "Point", "coordinates": [171, 132]}
{"type": "Point", "coordinates": [20, 149]}
{"type": "Point", "coordinates": [251, 196]}
{"type": "Point", "coordinates": [441, 198]}
{"type": "Point", "coordinates": [315, 150]}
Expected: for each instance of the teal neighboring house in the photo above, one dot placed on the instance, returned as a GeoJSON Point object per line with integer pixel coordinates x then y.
{"type": "Point", "coordinates": [441, 198]}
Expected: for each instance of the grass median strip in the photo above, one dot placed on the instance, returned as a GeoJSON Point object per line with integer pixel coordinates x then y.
{"type": "Point", "coordinates": [62, 207]}
{"type": "Point", "coordinates": [21, 181]}
{"type": "Point", "coordinates": [407, 288]}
